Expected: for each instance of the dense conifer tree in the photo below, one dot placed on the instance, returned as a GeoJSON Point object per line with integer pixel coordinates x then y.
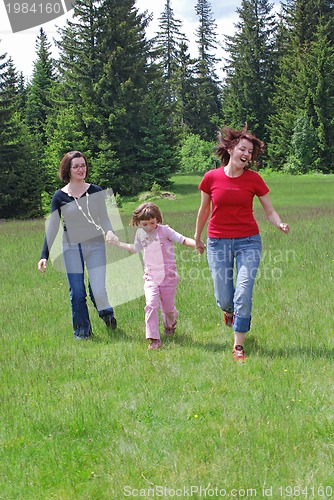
{"type": "Point", "coordinates": [250, 67]}
{"type": "Point", "coordinates": [106, 75]}
{"type": "Point", "coordinates": [185, 85]}
{"type": "Point", "coordinates": [40, 105]}
{"type": "Point", "coordinates": [80, 66]}
{"type": "Point", "coordinates": [123, 86]}
{"type": "Point", "coordinates": [168, 43]}
{"type": "Point", "coordinates": [128, 102]}
{"type": "Point", "coordinates": [64, 133]}
{"type": "Point", "coordinates": [74, 123]}
{"type": "Point", "coordinates": [20, 185]}
{"type": "Point", "coordinates": [39, 90]}
{"type": "Point", "coordinates": [304, 86]}
{"type": "Point", "coordinates": [207, 106]}
{"type": "Point", "coordinates": [319, 82]}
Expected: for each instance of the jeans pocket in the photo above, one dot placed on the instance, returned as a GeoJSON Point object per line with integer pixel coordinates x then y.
{"type": "Point", "coordinates": [212, 242]}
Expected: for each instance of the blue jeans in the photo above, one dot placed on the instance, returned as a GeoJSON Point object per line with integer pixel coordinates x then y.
{"type": "Point", "coordinates": [241, 256]}
{"type": "Point", "coordinates": [75, 257]}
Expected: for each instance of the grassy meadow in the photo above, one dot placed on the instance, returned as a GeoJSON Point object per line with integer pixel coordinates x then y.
{"type": "Point", "coordinates": [107, 419]}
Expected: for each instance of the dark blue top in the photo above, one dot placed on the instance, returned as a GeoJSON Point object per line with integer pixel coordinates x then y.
{"type": "Point", "coordinates": [77, 227]}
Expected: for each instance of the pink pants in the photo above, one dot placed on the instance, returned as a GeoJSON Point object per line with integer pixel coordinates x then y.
{"type": "Point", "coordinates": [160, 296]}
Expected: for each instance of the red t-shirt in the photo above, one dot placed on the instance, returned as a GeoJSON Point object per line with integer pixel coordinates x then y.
{"type": "Point", "coordinates": [232, 202]}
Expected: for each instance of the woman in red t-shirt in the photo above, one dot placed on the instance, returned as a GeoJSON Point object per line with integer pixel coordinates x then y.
{"type": "Point", "coordinates": [233, 234]}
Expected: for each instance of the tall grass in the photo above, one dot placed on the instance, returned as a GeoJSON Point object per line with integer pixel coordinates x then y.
{"type": "Point", "coordinates": [108, 419]}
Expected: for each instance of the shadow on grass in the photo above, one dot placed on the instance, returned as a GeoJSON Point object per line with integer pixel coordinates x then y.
{"type": "Point", "coordinates": [295, 352]}
{"type": "Point", "coordinates": [111, 336]}
{"type": "Point", "coordinates": [226, 344]}
{"type": "Point", "coordinates": [252, 347]}
{"type": "Point", "coordinates": [120, 335]}
{"type": "Point", "coordinates": [251, 344]}
{"type": "Point", "coordinates": [186, 341]}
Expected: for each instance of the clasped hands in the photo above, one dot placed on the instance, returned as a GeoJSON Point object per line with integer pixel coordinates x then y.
{"type": "Point", "coordinates": [200, 247]}
{"type": "Point", "coordinates": [111, 238]}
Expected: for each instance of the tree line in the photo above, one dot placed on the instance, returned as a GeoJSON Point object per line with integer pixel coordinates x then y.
{"type": "Point", "coordinates": [143, 108]}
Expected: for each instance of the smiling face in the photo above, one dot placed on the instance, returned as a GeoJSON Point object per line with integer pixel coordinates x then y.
{"type": "Point", "coordinates": [241, 154]}
{"type": "Point", "coordinates": [78, 169]}
{"type": "Point", "coordinates": [148, 225]}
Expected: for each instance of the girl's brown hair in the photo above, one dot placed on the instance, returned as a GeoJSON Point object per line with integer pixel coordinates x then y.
{"type": "Point", "coordinates": [146, 211]}
{"type": "Point", "coordinates": [64, 171]}
{"type": "Point", "coordinates": [229, 138]}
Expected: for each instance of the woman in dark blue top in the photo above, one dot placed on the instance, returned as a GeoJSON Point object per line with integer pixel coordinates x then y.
{"type": "Point", "coordinates": [86, 226]}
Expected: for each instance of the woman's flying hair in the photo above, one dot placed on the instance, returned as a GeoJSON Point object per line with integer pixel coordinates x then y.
{"type": "Point", "coordinates": [228, 138]}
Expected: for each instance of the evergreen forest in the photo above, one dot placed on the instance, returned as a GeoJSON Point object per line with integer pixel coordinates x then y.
{"type": "Point", "coordinates": [143, 108]}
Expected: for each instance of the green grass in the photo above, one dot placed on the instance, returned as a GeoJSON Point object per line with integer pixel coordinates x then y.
{"type": "Point", "coordinates": [107, 419]}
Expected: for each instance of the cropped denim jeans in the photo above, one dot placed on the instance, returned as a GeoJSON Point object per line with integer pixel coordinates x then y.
{"type": "Point", "coordinates": [233, 265]}
{"type": "Point", "coordinates": [93, 255]}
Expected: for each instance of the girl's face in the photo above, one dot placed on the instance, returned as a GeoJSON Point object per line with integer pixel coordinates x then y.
{"type": "Point", "coordinates": [148, 225]}
{"type": "Point", "coordinates": [242, 153]}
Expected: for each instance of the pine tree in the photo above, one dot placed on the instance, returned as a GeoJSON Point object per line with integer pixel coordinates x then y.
{"type": "Point", "coordinates": [159, 153]}
{"type": "Point", "coordinates": [38, 93]}
{"type": "Point", "coordinates": [207, 110]}
{"type": "Point", "coordinates": [318, 79]}
{"type": "Point", "coordinates": [185, 85]}
{"type": "Point", "coordinates": [8, 152]}
{"type": "Point", "coordinates": [74, 122]}
{"type": "Point", "coordinates": [22, 94]}
{"type": "Point", "coordinates": [168, 42]}
{"type": "Point", "coordinates": [20, 185]}
{"type": "Point", "coordinates": [106, 76]}
{"type": "Point", "coordinates": [125, 81]}
{"type": "Point", "coordinates": [63, 134]}
{"type": "Point", "coordinates": [250, 67]}
{"type": "Point", "coordinates": [81, 65]}
{"type": "Point", "coordinates": [40, 105]}
{"type": "Point", "coordinates": [304, 86]}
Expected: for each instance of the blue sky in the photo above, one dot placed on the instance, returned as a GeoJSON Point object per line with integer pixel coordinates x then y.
{"type": "Point", "coordinates": [21, 46]}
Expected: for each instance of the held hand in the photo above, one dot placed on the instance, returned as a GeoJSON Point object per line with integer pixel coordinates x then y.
{"type": "Point", "coordinates": [42, 265]}
{"type": "Point", "coordinates": [285, 228]}
{"type": "Point", "coordinates": [200, 247]}
{"type": "Point", "coordinates": [111, 238]}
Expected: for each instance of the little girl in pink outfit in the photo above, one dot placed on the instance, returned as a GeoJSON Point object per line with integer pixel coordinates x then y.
{"type": "Point", "coordinates": [160, 273]}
